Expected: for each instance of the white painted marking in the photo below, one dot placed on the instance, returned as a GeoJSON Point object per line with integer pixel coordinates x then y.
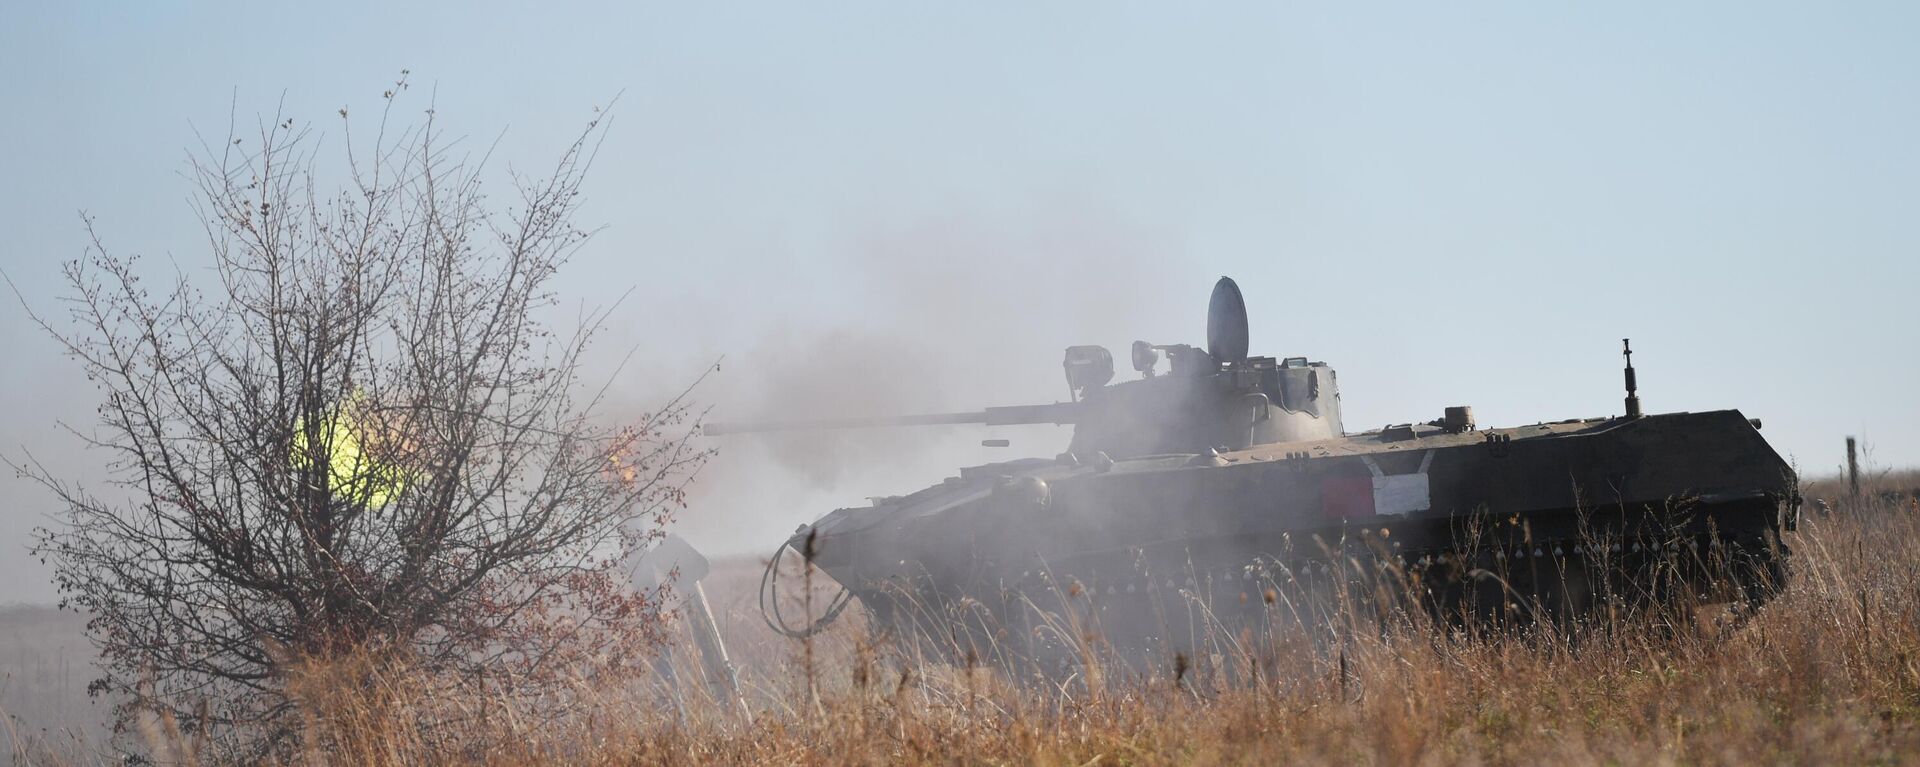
{"type": "Point", "coordinates": [1401, 494]}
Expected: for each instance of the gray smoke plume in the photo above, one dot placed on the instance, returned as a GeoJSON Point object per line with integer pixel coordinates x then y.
{"type": "Point", "coordinates": [952, 315]}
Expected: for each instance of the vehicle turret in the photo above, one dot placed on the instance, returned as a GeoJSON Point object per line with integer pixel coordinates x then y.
{"type": "Point", "coordinates": [1216, 398]}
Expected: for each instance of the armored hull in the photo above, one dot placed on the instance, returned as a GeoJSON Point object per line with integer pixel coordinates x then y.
{"type": "Point", "coordinates": [1548, 509]}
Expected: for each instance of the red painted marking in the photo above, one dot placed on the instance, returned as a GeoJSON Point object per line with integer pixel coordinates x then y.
{"type": "Point", "coordinates": [1346, 497]}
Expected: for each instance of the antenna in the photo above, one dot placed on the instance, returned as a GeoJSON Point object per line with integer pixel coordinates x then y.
{"type": "Point", "coordinates": [1633, 396]}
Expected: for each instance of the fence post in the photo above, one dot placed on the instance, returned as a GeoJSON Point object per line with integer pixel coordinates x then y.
{"type": "Point", "coordinates": [1853, 470]}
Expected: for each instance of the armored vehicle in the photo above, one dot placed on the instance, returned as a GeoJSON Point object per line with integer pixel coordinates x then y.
{"type": "Point", "coordinates": [1196, 497]}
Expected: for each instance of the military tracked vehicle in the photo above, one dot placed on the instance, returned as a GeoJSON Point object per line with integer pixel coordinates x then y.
{"type": "Point", "coordinates": [1193, 499]}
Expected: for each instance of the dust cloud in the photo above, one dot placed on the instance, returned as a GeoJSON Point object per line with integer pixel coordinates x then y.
{"type": "Point", "coordinates": [953, 315]}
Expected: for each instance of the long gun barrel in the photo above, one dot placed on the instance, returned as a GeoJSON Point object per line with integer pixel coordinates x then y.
{"type": "Point", "coordinates": [1057, 413]}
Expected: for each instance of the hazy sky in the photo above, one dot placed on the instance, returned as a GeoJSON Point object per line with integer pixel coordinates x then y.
{"type": "Point", "coordinates": [905, 206]}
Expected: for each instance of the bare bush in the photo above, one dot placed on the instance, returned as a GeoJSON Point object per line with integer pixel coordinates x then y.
{"type": "Point", "coordinates": [363, 435]}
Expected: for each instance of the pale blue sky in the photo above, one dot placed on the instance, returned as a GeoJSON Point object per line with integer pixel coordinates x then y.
{"type": "Point", "coordinates": [1456, 203]}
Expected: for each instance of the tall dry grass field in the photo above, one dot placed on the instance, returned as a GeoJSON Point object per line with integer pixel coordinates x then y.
{"type": "Point", "coordinates": [45, 664]}
{"type": "Point", "coordinates": [1828, 673]}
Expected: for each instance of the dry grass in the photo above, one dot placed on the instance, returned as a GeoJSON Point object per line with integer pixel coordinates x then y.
{"type": "Point", "coordinates": [1828, 673]}
{"type": "Point", "coordinates": [45, 664]}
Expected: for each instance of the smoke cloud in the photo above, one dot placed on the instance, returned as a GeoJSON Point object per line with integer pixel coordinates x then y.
{"type": "Point", "coordinates": [950, 315]}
